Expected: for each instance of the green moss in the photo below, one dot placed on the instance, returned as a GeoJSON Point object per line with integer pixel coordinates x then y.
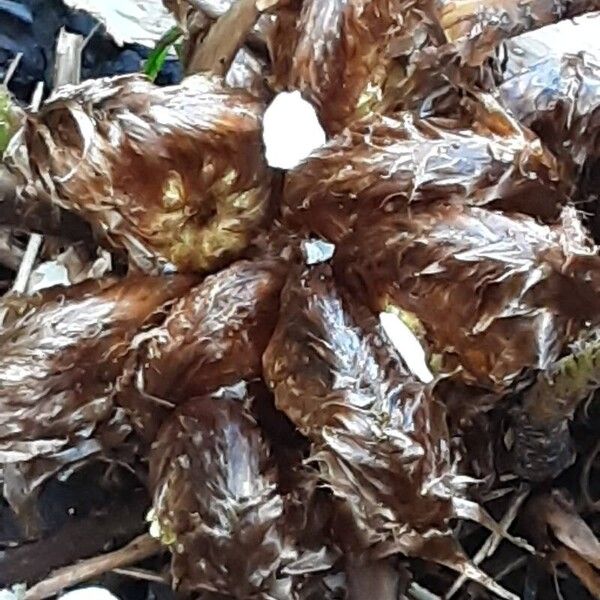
{"type": "Point", "coordinates": [559, 390]}
{"type": "Point", "coordinates": [8, 120]}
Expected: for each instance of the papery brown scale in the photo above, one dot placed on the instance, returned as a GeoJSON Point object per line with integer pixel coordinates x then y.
{"type": "Point", "coordinates": [477, 159]}
{"type": "Point", "coordinates": [61, 357]}
{"type": "Point", "coordinates": [213, 336]}
{"type": "Point", "coordinates": [215, 495]}
{"type": "Point", "coordinates": [557, 96]}
{"type": "Point", "coordinates": [334, 52]}
{"type": "Point", "coordinates": [517, 290]}
{"type": "Point", "coordinates": [59, 363]}
{"type": "Point", "coordinates": [476, 28]}
{"type": "Point", "coordinates": [457, 41]}
{"type": "Point", "coordinates": [379, 438]}
{"type": "Point", "coordinates": [171, 174]}
{"type": "Point", "coordinates": [217, 503]}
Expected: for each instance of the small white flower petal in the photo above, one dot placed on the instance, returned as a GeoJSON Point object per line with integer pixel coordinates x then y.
{"type": "Point", "coordinates": [407, 344]}
{"type": "Point", "coordinates": [291, 130]}
{"type": "Point", "coordinates": [90, 593]}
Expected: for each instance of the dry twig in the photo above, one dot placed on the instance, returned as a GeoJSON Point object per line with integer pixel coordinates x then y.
{"type": "Point", "coordinates": [79, 538]}
{"type": "Point", "coordinates": [588, 576]}
{"type": "Point", "coordinates": [226, 36]}
{"type": "Point", "coordinates": [140, 548]}
{"type": "Point", "coordinates": [12, 68]}
{"type": "Point", "coordinates": [67, 70]}
{"type": "Point", "coordinates": [492, 542]}
{"type": "Point", "coordinates": [141, 574]}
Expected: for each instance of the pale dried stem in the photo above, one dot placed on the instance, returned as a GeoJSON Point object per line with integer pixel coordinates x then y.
{"type": "Point", "coordinates": [37, 97]}
{"type": "Point", "coordinates": [137, 550]}
{"type": "Point", "coordinates": [12, 68]}
{"type": "Point", "coordinates": [474, 573]}
{"type": "Point", "coordinates": [67, 70]}
{"type": "Point", "coordinates": [417, 592]}
{"type": "Point", "coordinates": [218, 49]}
{"type": "Point", "coordinates": [588, 576]}
{"type": "Point", "coordinates": [511, 567]}
{"type": "Point", "coordinates": [34, 244]}
{"type": "Point", "coordinates": [35, 240]}
{"type": "Point", "coordinates": [493, 541]}
{"type": "Point", "coordinates": [141, 574]}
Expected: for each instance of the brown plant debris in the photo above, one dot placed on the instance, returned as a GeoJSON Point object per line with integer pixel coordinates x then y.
{"type": "Point", "coordinates": [373, 375]}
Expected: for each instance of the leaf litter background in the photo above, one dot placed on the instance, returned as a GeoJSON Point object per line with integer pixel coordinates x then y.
{"type": "Point", "coordinates": [252, 412]}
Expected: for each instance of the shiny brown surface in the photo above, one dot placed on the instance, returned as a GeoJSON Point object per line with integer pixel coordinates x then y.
{"type": "Point", "coordinates": [476, 27]}
{"type": "Point", "coordinates": [171, 174]}
{"type": "Point", "coordinates": [215, 497]}
{"type": "Point", "coordinates": [60, 359]}
{"type": "Point", "coordinates": [214, 336]}
{"type": "Point", "coordinates": [288, 437]}
{"type": "Point", "coordinates": [335, 52]}
{"type": "Point", "coordinates": [59, 363]}
{"type": "Point", "coordinates": [456, 42]}
{"type": "Point", "coordinates": [480, 159]}
{"type": "Point", "coordinates": [495, 293]}
{"type": "Point", "coordinates": [218, 505]}
{"type": "Point", "coordinates": [558, 97]}
{"type": "Point", "coordinates": [379, 438]}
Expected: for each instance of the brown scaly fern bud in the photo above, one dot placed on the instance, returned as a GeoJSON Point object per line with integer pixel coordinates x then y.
{"type": "Point", "coordinates": [173, 175]}
{"type": "Point", "coordinates": [456, 41]}
{"type": "Point", "coordinates": [214, 336]}
{"type": "Point", "coordinates": [379, 437]}
{"type": "Point", "coordinates": [480, 157]}
{"type": "Point", "coordinates": [218, 506]}
{"type": "Point", "coordinates": [558, 97]}
{"type": "Point", "coordinates": [517, 290]}
{"type": "Point", "coordinates": [335, 52]}
{"type": "Point", "coordinates": [59, 362]}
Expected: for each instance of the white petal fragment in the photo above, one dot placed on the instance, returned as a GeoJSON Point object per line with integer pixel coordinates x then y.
{"type": "Point", "coordinates": [291, 130]}
{"type": "Point", "coordinates": [407, 344]}
{"type": "Point", "coordinates": [90, 593]}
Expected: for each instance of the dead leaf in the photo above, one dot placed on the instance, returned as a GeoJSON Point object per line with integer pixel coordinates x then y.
{"type": "Point", "coordinates": [580, 568]}
{"type": "Point", "coordinates": [570, 529]}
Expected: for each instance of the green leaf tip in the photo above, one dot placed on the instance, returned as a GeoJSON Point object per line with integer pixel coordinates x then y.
{"type": "Point", "coordinates": [8, 121]}
{"type": "Point", "coordinates": [158, 56]}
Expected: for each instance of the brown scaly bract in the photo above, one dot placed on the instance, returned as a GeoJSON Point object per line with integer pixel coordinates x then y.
{"type": "Point", "coordinates": [517, 290]}
{"type": "Point", "coordinates": [216, 502]}
{"type": "Point", "coordinates": [215, 335]}
{"type": "Point", "coordinates": [379, 437]}
{"type": "Point", "coordinates": [58, 366]}
{"type": "Point", "coordinates": [475, 27]}
{"type": "Point", "coordinates": [444, 41]}
{"type": "Point", "coordinates": [335, 52]}
{"type": "Point", "coordinates": [481, 157]}
{"type": "Point", "coordinates": [558, 97]}
{"type": "Point", "coordinates": [174, 175]}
